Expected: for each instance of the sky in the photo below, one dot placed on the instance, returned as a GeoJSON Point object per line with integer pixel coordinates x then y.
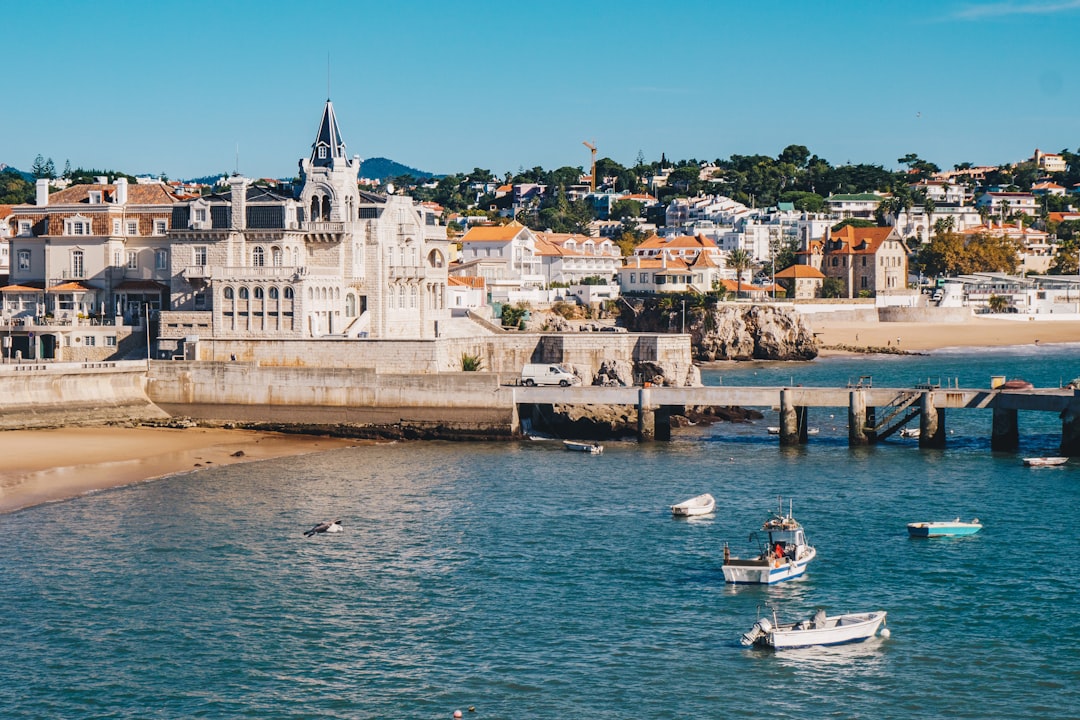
{"type": "Point", "coordinates": [207, 87]}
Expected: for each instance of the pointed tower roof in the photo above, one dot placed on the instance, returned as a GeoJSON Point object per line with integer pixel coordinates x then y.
{"type": "Point", "coordinates": [328, 143]}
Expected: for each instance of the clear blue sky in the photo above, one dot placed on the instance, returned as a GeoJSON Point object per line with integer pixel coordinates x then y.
{"type": "Point", "coordinates": [150, 87]}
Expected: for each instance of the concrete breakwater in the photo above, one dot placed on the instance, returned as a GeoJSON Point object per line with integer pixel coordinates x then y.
{"type": "Point", "coordinates": [350, 402]}
{"type": "Point", "coordinates": [37, 395]}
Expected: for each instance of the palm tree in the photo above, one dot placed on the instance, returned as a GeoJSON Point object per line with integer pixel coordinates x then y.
{"type": "Point", "coordinates": [740, 261]}
{"type": "Point", "coordinates": [929, 205]}
{"type": "Point", "coordinates": [998, 303]}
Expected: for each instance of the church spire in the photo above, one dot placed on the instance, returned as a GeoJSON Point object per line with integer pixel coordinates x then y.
{"type": "Point", "coordinates": [328, 144]}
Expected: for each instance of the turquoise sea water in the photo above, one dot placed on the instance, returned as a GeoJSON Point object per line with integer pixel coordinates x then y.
{"type": "Point", "coordinates": [529, 582]}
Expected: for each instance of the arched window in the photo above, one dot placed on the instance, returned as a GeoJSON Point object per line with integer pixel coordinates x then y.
{"type": "Point", "coordinates": [258, 256]}
{"type": "Point", "coordinates": [390, 298]}
{"type": "Point", "coordinates": [326, 207]}
{"type": "Point", "coordinates": [413, 296]}
{"type": "Point", "coordinates": [350, 305]}
{"type": "Point", "coordinates": [315, 208]}
{"type": "Point", "coordinates": [258, 293]}
{"type": "Point", "coordinates": [435, 259]}
{"type": "Point", "coordinates": [243, 293]}
{"type": "Point", "coordinates": [273, 293]}
{"type": "Point", "coordinates": [228, 293]}
{"type": "Point", "coordinates": [401, 297]}
{"type": "Point", "coordinates": [275, 256]}
{"type": "Point", "coordinates": [311, 293]}
{"type": "Point", "coordinates": [288, 293]}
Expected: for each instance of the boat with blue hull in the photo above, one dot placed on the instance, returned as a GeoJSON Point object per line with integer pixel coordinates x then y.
{"type": "Point", "coordinates": [785, 556]}
{"type": "Point", "coordinates": [952, 528]}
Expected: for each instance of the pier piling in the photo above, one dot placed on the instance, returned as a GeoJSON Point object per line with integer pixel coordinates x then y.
{"type": "Point", "coordinates": [789, 419]}
{"type": "Point", "coordinates": [857, 429]}
{"type": "Point", "coordinates": [931, 422]}
{"type": "Point", "coordinates": [1005, 430]}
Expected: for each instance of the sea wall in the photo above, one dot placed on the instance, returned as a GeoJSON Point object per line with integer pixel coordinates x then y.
{"type": "Point", "coordinates": [36, 395]}
{"type": "Point", "coordinates": [504, 353]}
{"type": "Point", "coordinates": [347, 401]}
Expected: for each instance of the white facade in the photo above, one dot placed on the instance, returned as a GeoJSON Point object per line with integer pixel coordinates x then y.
{"type": "Point", "coordinates": [255, 263]}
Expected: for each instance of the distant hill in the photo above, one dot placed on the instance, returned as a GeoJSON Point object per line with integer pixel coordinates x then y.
{"type": "Point", "coordinates": [372, 168]}
{"type": "Point", "coordinates": [25, 175]}
{"type": "Point", "coordinates": [384, 168]}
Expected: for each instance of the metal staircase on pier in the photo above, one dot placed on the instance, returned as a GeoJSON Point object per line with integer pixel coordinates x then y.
{"type": "Point", "coordinates": [898, 413]}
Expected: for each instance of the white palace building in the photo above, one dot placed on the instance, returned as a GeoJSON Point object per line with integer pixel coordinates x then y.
{"type": "Point", "coordinates": [325, 261]}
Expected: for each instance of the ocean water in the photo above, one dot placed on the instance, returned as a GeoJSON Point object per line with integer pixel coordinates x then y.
{"type": "Point", "coordinates": [525, 581]}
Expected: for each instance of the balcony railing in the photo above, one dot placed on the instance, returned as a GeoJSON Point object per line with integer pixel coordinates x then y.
{"type": "Point", "coordinates": [323, 227]}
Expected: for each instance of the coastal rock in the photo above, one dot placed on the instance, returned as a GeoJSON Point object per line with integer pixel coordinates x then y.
{"type": "Point", "coordinates": [753, 332]}
{"type": "Point", "coordinates": [731, 331]}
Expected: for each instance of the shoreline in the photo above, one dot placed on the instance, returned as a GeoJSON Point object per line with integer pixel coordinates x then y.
{"type": "Point", "coordinates": [838, 337]}
{"type": "Point", "coordinates": [50, 465]}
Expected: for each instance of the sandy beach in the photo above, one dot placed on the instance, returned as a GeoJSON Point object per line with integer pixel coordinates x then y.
{"type": "Point", "coordinates": [41, 466]}
{"type": "Point", "coordinates": [920, 337]}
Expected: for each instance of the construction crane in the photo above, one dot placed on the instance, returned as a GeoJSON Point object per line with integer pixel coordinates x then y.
{"type": "Point", "coordinates": [592, 172]}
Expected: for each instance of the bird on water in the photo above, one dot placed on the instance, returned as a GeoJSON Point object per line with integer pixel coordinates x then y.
{"type": "Point", "coordinates": [326, 527]}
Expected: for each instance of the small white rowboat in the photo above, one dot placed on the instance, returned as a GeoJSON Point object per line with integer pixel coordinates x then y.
{"type": "Point", "coordinates": [700, 505]}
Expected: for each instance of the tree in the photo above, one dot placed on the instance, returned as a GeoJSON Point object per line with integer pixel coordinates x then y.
{"type": "Point", "coordinates": [740, 261]}
{"type": "Point", "coordinates": [797, 155]}
{"type": "Point", "coordinates": [944, 225]}
{"type": "Point", "coordinates": [929, 205]}
{"type": "Point", "coordinates": [50, 169]}
{"type": "Point", "coordinates": [833, 288]}
{"type": "Point", "coordinates": [854, 222]}
{"type": "Point", "coordinates": [67, 169]}
{"type": "Point", "coordinates": [625, 209]}
{"type": "Point", "coordinates": [998, 303]}
{"type": "Point", "coordinates": [38, 168]}
{"type": "Point", "coordinates": [686, 179]}
{"type": "Point", "coordinates": [804, 201]}
{"type": "Point", "coordinates": [14, 188]}
{"type": "Point", "coordinates": [951, 253]}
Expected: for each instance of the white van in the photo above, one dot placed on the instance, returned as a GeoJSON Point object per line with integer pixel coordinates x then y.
{"type": "Point", "coordinates": [548, 374]}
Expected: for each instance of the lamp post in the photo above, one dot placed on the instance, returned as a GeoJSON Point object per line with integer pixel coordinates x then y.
{"type": "Point", "coordinates": [146, 321]}
{"type": "Point", "coordinates": [684, 316]}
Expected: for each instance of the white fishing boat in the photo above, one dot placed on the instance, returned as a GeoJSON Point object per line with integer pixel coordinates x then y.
{"type": "Point", "coordinates": [1045, 461]}
{"type": "Point", "coordinates": [818, 630]}
{"type": "Point", "coordinates": [910, 433]}
{"type": "Point", "coordinates": [700, 505]}
{"type": "Point", "coordinates": [785, 554]}
{"type": "Point", "coordinates": [585, 447]}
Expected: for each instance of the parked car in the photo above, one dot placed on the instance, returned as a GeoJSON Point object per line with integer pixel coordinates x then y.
{"type": "Point", "coordinates": [548, 374]}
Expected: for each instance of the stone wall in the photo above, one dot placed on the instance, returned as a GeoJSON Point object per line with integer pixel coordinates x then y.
{"type": "Point", "coordinates": [34, 395]}
{"type": "Point", "coordinates": [505, 353]}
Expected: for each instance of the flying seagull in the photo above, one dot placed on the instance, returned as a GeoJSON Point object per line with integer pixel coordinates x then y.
{"type": "Point", "coordinates": [331, 527]}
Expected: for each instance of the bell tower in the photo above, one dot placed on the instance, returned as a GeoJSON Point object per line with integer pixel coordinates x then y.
{"type": "Point", "coordinates": [328, 175]}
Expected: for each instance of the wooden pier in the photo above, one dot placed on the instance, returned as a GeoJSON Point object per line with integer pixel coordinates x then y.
{"type": "Point", "coordinates": [873, 413]}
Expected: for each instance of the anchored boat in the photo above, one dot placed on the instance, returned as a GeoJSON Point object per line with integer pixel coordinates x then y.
{"type": "Point", "coordinates": [943, 529]}
{"type": "Point", "coordinates": [818, 630]}
{"type": "Point", "coordinates": [1045, 461]}
{"type": "Point", "coordinates": [785, 555]}
{"type": "Point", "coordinates": [700, 505]}
{"type": "Point", "coordinates": [585, 447]}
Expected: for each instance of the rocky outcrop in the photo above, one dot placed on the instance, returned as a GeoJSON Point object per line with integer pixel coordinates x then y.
{"type": "Point", "coordinates": [615, 373]}
{"type": "Point", "coordinates": [731, 331]}
{"type": "Point", "coordinates": [753, 332]}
